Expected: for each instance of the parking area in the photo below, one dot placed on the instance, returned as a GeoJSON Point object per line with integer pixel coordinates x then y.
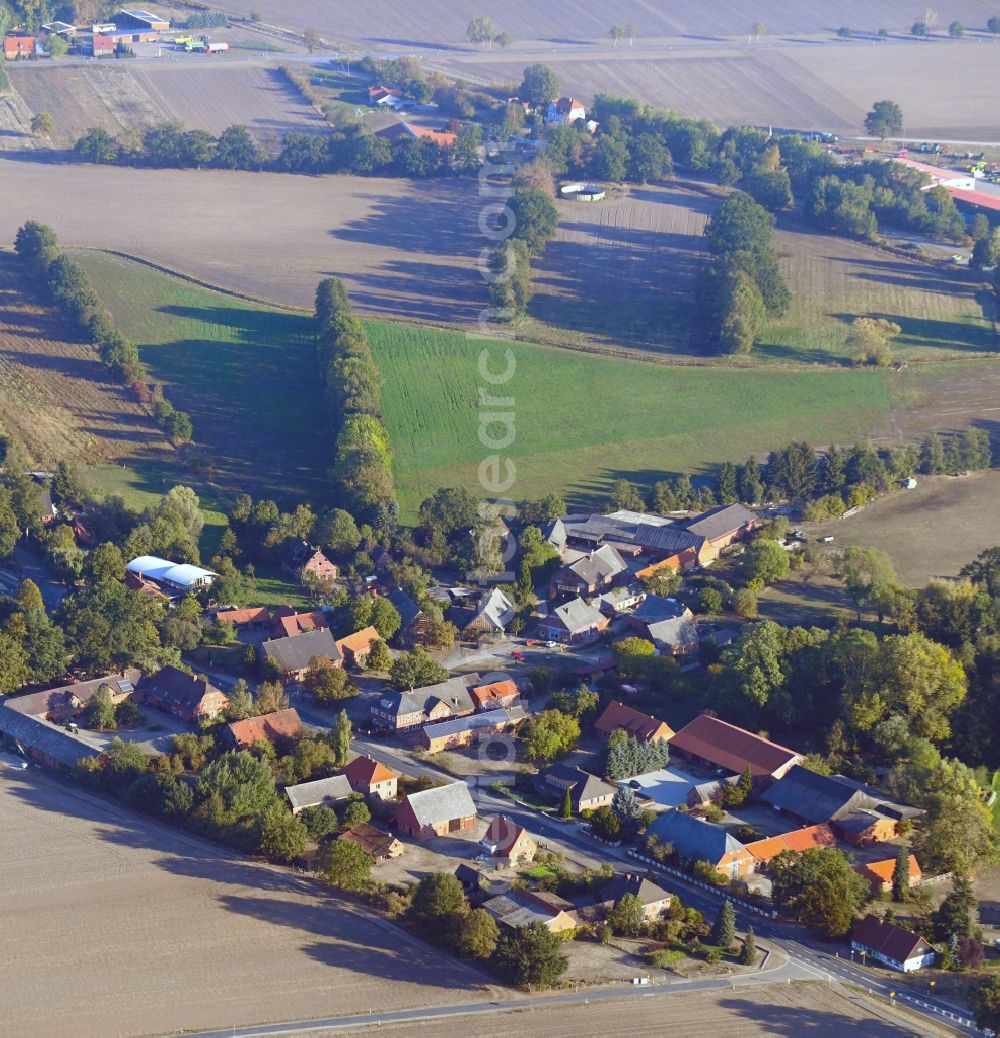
{"type": "Point", "coordinates": [667, 787]}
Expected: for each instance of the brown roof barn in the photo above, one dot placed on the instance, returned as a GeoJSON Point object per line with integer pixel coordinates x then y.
{"type": "Point", "coordinates": [723, 745]}
{"type": "Point", "coordinates": [281, 724]}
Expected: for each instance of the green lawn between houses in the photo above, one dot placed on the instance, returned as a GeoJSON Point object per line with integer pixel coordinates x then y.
{"type": "Point", "coordinates": [245, 374]}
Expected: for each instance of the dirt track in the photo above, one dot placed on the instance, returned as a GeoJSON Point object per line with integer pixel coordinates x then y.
{"type": "Point", "coordinates": [110, 925]}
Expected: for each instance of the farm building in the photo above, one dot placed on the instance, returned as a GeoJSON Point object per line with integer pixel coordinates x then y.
{"type": "Point", "coordinates": [253, 618]}
{"type": "Point", "coordinates": [644, 727]}
{"type": "Point", "coordinates": [489, 617]}
{"type": "Point", "coordinates": [891, 945]}
{"type": "Point", "coordinates": [939, 177]}
{"type": "Point", "coordinates": [307, 562]}
{"type": "Point", "coordinates": [879, 874]}
{"type": "Point", "coordinates": [323, 792]}
{"type": "Point", "coordinates": [437, 811]}
{"type": "Point", "coordinates": [718, 744]}
{"type": "Point", "coordinates": [183, 695]}
{"type": "Point", "coordinates": [292, 656]}
{"type": "Point", "coordinates": [103, 46]}
{"type": "Point", "coordinates": [620, 599]}
{"type": "Point", "coordinates": [371, 778]}
{"type": "Point", "coordinates": [796, 840]}
{"type": "Point", "coordinates": [509, 841]}
{"type": "Point", "coordinates": [355, 647]}
{"type": "Point", "coordinates": [458, 732]}
{"type": "Point", "coordinates": [140, 21]}
{"type": "Point", "coordinates": [695, 840]}
{"type": "Point", "coordinates": [181, 577]}
{"type": "Point", "coordinates": [592, 573]}
{"type": "Point", "coordinates": [405, 711]}
{"type": "Point", "coordinates": [573, 622]}
{"type": "Point", "coordinates": [275, 727]}
{"type": "Point", "coordinates": [413, 621]}
{"type": "Point", "coordinates": [503, 694]}
{"type": "Point", "coordinates": [524, 907]}
{"type": "Point", "coordinates": [65, 702]}
{"type": "Point", "coordinates": [39, 739]}
{"type": "Point", "coordinates": [286, 623]}
{"type": "Point", "coordinates": [403, 131]}
{"type": "Point", "coordinates": [381, 846]}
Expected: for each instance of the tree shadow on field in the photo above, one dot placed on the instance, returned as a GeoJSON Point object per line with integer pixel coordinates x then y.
{"type": "Point", "coordinates": [800, 1022]}
{"type": "Point", "coordinates": [595, 491]}
{"type": "Point", "coordinates": [924, 331]}
{"type": "Point", "coordinates": [420, 291]}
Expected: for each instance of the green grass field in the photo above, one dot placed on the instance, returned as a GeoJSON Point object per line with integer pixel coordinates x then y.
{"type": "Point", "coordinates": [244, 372]}
{"type": "Point", "coordinates": [582, 421]}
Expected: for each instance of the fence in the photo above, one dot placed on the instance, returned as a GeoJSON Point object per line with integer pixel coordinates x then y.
{"type": "Point", "coordinates": [721, 891]}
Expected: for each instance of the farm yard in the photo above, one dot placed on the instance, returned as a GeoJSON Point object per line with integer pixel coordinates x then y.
{"type": "Point", "coordinates": [120, 96]}
{"type": "Point", "coordinates": [90, 892]}
{"type": "Point", "coordinates": [54, 395]}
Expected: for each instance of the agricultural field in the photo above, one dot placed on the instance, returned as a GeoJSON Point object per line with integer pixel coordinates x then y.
{"type": "Point", "coordinates": [582, 421]}
{"type": "Point", "coordinates": [55, 396]}
{"type": "Point", "coordinates": [121, 96]}
{"type": "Point", "coordinates": [908, 525]}
{"type": "Point", "coordinates": [97, 904]}
{"type": "Point", "coordinates": [243, 372]}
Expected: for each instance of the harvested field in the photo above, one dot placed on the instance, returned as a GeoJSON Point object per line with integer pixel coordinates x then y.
{"type": "Point", "coordinates": [797, 1010]}
{"type": "Point", "coordinates": [622, 271]}
{"type": "Point", "coordinates": [944, 311]}
{"type": "Point", "coordinates": [405, 249]}
{"type": "Point", "coordinates": [121, 96]}
{"type": "Point", "coordinates": [114, 925]}
{"type": "Point", "coordinates": [436, 22]}
{"type": "Point", "coordinates": [946, 88]}
{"type": "Point", "coordinates": [947, 397]}
{"type": "Point", "coordinates": [55, 396]}
{"type": "Point", "coordinates": [908, 526]}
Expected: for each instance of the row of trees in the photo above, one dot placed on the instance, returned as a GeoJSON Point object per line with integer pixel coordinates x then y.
{"type": "Point", "coordinates": [742, 283]}
{"type": "Point", "coordinates": [69, 287]}
{"type": "Point", "coordinates": [362, 455]}
{"type": "Point", "coordinates": [171, 144]}
{"type": "Point", "coordinates": [534, 218]}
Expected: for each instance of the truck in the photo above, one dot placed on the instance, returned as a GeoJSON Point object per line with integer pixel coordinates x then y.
{"type": "Point", "coordinates": [216, 48]}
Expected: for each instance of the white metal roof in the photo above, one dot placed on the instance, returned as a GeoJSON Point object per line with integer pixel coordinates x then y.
{"type": "Point", "coordinates": [183, 574]}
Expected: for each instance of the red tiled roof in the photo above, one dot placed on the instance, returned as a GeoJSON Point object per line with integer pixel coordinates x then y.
{"type": "Point", "coordinates": [366, 771]}
{"type": "Point", "coordinates": [730, 747]}
{"type": "Point", "coordinates": [980, 198]}
{"type": "Point", "coordinates": [891, 940]}
{"type": "Point", "coordinates": [360, 641]}
{"type": "Point", "coordinates": [498, 690]}
{"type": "Point", "coordinates": [796, 840]}
{"type": "Point", "coordinates": [881, 871]}
{"type": "Point", "coordinates": [251, 615]}
{"type": "Point", "coordinates": [281, 724]}
{"type": "Point", "coordinates": [299, 623]}
{"type": "Point", "coordinates": [503, 834]}
{"type": "Point", "coordinates": [371, 840]}
{"type": "Point", "coordinates": [643, 726]}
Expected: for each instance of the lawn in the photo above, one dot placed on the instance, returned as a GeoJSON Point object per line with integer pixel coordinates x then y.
{"type": "Point", "coordinates": [244, 372]}
{"type": "Point", "coordinates": [581, 421]}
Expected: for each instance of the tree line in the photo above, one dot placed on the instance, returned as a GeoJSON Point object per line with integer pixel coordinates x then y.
{"type": "Point", "coordinates": [534, 218]}
{"type": "Point", "coordinates": [70, 288]}
{"type": "Point", "coordinates": [172, 145]}
{"type": "Point", "coordinates": [351, 384]}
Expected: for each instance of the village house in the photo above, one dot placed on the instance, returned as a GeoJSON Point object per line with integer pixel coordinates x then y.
{"type": "Point", "coordinates": [291, 657]}
{"type": "Point", "coordinates": [653, 898]}
{"type": "Point", "coordinates": [254, 618]}
{"type": "Point", "coordinates": [879, 874]}
{"type": "Point", "coordinates": [620, 599]}
{"type": "Point", "coordinates": [287, 623]}
{"type": "Point", "coordinates": [103, 46]}
{"type": "Point", "coordinates": [590, 574]}
{"type": "Point", "coordinates": [436, 811]}
{"type": "Point", "coordinates": [813, 836]}
{"type": "Point", "coordinates": [498, 694]}
{"type": "Point", "coordinates": [384, 96]}
{"type": "Point", "coordinates": [308, 563]}
{"type": "Point", "coordinates": [459, 732]}
{"type": "Point", "coordinates": [509, 842]}
{"type": "Point", "coordinates": [587, 791]}
{"type": "Point", "coordinates": [694, 840]}
{"type": "Point", "coordinates": [319, 793]}
{"type": "Point", "coordinates": [563, 111]}
{"type": "Point", "coordinates": [16, 45]}
{"type": "Point", "coordinates": [66, 702]}
{"type": "Point", "coordinates": [489, 618]}
{"type": "Point", "coordinates": [371, 778]}
{"type": "Point", "coordinates": [405, 711]}
{"type": "Point", "coordinates": [523, 907]}
{"type": "Point", "coordinates": [644, 727]}
{"type": "Point", "coordinates": [381, 846]}
{"type": "Point", "coordinates": [183, 695]}
{"type": "Point", "coordinates": [891, 945]}
{"type": "Point", "coordinates": [277, 727]}
{"type": "Point", "coordinates": [713, 743]}
{"type": "Point", "coordinates": [403, 131]}
{"type": "Point", "coordinates": [666, 623]}
{"type": "Point", "coordinates": [355, 647]}
{"type": "Point", "coordinates": [572, 623]}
